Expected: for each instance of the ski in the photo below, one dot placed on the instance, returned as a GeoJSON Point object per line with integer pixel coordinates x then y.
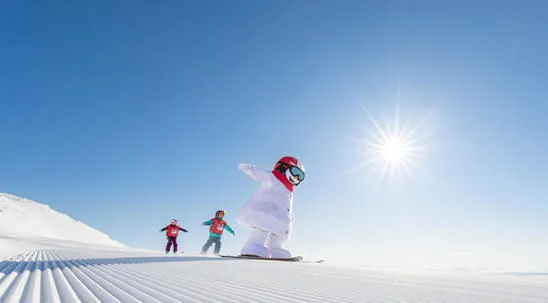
{"type": "Point", "coordinates": [292, 259]}
{"type": "Point", "coordinates": [252, 257]}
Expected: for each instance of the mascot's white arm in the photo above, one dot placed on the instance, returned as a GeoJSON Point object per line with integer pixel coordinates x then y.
{"type": "Point", "coordinates": [256, 173]}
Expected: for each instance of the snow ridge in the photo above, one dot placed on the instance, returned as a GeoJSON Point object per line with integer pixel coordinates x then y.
{"type": "Point", "coordinates": [24, 219]}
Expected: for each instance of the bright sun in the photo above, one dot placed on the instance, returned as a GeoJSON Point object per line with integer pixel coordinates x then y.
{"type": "Point", "coordinates": [392, 149]}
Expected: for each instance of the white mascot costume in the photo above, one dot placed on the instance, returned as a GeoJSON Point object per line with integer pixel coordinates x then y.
{"type": "Point", "coordinates": [269, 212]}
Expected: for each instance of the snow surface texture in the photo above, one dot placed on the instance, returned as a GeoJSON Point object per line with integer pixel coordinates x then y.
{"type": "Point", "coordinates": [54, 268]}
{"type": "Point", "coordinates": [76, 275]}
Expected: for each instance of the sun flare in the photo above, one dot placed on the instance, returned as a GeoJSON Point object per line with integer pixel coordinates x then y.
{"type": "Point", "coordinates": [392, 149]}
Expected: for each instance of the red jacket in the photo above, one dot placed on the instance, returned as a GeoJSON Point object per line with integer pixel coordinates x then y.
{"type": "Point", "coordinates": [218, 226]}
{"type": "Point", "coordinates": [173, 230]}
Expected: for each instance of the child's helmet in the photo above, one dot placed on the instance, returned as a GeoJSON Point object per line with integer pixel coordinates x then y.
{"type": "Point", "coordinates": [220, 212]}
{"type": "Point", "coordinates": [174, 221]}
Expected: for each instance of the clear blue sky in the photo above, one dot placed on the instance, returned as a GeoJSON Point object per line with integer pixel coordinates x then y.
{"type": "Point", "coordinates": [125, 114]}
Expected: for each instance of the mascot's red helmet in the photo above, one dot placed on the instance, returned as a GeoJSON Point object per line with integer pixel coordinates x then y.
{"type": "Point", "coordinates": [289, 161]}
{"type": "Point", "coordinates": [289, 171]}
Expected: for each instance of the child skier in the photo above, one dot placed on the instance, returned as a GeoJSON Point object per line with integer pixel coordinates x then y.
{"type": "Point", "coordinates": [172, 231]}
{"type": "Point", "coordinates": [217, 226]}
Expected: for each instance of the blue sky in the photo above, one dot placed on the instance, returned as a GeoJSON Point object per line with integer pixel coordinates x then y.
{"type": "Point", "coordinates": [124, 115]}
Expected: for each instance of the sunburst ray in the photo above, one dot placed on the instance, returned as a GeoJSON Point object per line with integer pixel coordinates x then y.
{"type": "Point", "coordinates": [394, 149]}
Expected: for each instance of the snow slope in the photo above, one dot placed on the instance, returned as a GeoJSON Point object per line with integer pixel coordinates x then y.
{"type": "Point", "coordinates": [48, 263]}
{"type": "Point", "coordinates": [26, 224]}
{"type": "Point", "coordinates": [75, 275]}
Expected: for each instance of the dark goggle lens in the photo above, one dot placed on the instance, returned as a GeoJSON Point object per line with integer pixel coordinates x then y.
{"type": "Point", "coordinates": [297, 172]}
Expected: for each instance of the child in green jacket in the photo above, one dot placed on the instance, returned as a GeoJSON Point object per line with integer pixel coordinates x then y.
{"type": "Point", "coordinates": [216, 227]}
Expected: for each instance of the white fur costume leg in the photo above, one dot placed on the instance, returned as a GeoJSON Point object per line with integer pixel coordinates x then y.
{"type": "Point", "coordinates": [275, 247]}
{"type": "Point", "coordinates": [255, 243]}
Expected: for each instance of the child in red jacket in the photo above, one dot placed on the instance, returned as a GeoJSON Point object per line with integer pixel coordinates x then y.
{"type": "Point", "coordinates": [172, 231]}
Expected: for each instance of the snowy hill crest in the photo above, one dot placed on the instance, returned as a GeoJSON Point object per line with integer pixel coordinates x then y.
{"type": "Point", "coordinates": [24, 219]}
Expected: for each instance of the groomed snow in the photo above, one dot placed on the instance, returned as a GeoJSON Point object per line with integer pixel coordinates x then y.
{"type": "Point", "coordinates": [83, 275]}
{"type": "Point", "coordinates": [55, 268]}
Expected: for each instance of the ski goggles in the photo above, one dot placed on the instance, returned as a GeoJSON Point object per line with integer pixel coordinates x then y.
{"type": "Point", "coordinates": [297, 172]}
